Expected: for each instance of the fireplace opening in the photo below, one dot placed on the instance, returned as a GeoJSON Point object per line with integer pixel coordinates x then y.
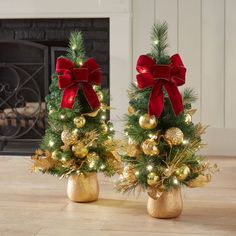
{"type": "Point", "coordinates": [28, 52]}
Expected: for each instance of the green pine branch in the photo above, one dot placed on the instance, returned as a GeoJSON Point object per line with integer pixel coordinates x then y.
{"type": "Point", "coordinates": [159, 37]}
{"type": "Point", "coordinates": [76, 49]}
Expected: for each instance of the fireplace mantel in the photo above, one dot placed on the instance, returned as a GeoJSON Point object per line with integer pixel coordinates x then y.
{"type": "Point", "coordinates": [118, 11]}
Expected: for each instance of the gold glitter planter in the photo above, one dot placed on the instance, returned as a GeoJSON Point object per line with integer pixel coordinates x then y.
{"type": "Point", "coordinates": [83, 188]}
{"type": "Point", "coordinates": [168, 205]}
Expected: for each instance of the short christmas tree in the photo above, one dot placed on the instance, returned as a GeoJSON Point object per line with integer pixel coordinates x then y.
{"type": "Point", "coordinates": [78, 139]}
{"type": "Point", "coordinates": [163, 142]}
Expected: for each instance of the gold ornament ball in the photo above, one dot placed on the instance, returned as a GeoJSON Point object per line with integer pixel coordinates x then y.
{"type": "Point", "coordinates": [182, 172]}
{"type": "Point", "coordinates": [100, 96]}
{"type": "Point", "coordinates": [80, 151]}
{"type": "Point", "coordinates": [147, 122]}
{"type": "Point", "coordinates": [68, 137]}
{"type": "Point", "coordinates": [152, 179]}
{"type": "Point", "coordinates": [150, 147]}
{"type": "Point", "coordinates": [92, 157]}
{"type": "Point", "coordinates": [174, 136]}
{"type": "Point", "coordinates": [56, 155]}
{"type": "Point", "coordinates": [79, 121]}
{"type": "Point", "coordinates": [188, 118]}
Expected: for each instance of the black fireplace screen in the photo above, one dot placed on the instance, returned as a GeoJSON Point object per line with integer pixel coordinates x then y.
{"type": "Point", "coordinates": [23, 85]}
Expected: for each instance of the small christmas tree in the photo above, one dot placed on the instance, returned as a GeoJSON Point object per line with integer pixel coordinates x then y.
{"type": "Point", "coordinates": [162, 140]}
{"type": "Point", "coordinates": [78, 140]}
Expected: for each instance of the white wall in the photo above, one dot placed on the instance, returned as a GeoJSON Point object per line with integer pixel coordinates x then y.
{"type": "Point", "coordinates": [204, 33]}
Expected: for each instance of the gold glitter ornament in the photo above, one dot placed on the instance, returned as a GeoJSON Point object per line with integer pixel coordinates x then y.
{"type": "Point", "coordinates": [80, 151]}
{"type": "Point", "coordinates": [68, 137]}
{"type": "Point", "coordinates": [152, 179]}
{"type": "Point", "coordinates": [182, 172]}
{"type": "Point", "coordinates": [92, 157]}
{"type": "Point", "coordinates": [150, 147]}
{"type": "Point", "coordinates": [148, 122]}
{"type": "Point", "coordinates": [79, 121]}
{"type": "Point", "coordinates": [174, 136]}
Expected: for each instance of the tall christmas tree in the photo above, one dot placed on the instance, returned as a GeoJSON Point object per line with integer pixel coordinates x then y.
{"type": "Point", "coordinates": [163, 142]}
{"type": "Point", "coordinates": [78, 139]}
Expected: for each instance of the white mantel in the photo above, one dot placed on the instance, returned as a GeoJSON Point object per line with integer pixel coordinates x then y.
{"type": "Point", "coordinates": [119, 13]}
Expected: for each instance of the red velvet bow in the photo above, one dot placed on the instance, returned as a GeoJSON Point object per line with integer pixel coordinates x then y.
{"type": "Point", "coordinates": [70, 77]}
{"type": "Point", "coordinates": [158, 76]}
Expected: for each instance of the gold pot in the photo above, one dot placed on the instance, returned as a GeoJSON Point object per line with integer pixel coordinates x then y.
{"type": "Point", "coordinates": [168, 205]}
{"type": "Point", "coordinates": [83, 188]}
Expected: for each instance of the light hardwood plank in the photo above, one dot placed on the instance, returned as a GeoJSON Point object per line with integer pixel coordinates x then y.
{"type": "Point", "coordinates": [35, 204]}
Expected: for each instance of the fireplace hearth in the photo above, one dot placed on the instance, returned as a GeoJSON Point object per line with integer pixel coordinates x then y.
{"type": "Point", "coordinates": [28, 51]}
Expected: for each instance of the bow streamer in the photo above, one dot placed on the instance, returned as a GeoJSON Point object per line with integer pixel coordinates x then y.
{"type": "Point", "coordinates": [157, 76]}
{"type": "Point", "coordinates": [69, 78]}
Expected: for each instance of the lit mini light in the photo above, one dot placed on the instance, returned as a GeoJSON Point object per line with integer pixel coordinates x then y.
{"type": "Point", "coordinates": [81, 63]}
{"type": "Point", "coordinates": [103, 117]}
{"type": "Point", "coordinates": [185, 141]}
{"type": "Point", "coordinates": [175, 181]}
{"type": "Point", "coordinates": [78, 172]}
{"type": "Point", "coordinates": [70, 99]}
{"type": "Point", "coordinates": [73, 47]}
{"type": "Point", "coordinates": [102, 167]}
{"type": "Point", "coordinates": [149, 168]}
{"type": "Point", "coordinates": [152, 136]}
{"type": "Point", "coordinates": [136, 83]}
{"type": "Point", "coordinates": [92, 164]}
{"type": "Point", "coordinates": [136, 173]}
{"type": "Point", "coordinates": [126, 133]}
{"type": "Point", "coordinates": [111, 128]}
{"type": "Point", "coordinates": [51, 143]}
{"type": "Point", "coordinates": [121, 177]}
{"type": "Point", "coordinates": [156, 41]}
{"type": "Point", "coordinates": [63, 159]}
{"type": "Point", "coordinates": [62, 117]}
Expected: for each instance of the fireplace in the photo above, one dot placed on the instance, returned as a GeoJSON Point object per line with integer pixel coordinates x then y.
{"type": "Point", "coordinates": [28, 51]}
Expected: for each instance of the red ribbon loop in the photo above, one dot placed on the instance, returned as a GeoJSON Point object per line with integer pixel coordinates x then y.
{"type": "Point", "coordinates": [70, 77]}
{"type": "Point", "coordinates": [157, 76]}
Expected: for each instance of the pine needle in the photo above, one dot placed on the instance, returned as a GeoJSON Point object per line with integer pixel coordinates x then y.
{"type": "Point", "coordinates": [76, 46]}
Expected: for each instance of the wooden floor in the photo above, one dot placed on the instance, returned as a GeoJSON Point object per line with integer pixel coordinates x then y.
{"type": "Point", "coordinates": [34, 204]}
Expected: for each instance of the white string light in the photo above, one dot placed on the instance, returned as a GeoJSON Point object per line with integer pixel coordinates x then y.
{"type": "Point", "coordinates": [92, 164]}
{"type": "Point", "coordinates": [51, 143]}
{"type": "Point", "coordinates": [102, 167]}
{"type": "Point", "coordinates": [137, 173]}
{"type": "Point", "coordinates": [62, 117]}
{"type": "Point", "coordinates": [156, 41]}
{"type": "Point", "coordinates": [103, 117]}
{"type": "Point", "coordinates": [185, 142]}
{"type": "Point", "coordinates": [63, 159]}
{"type": "Point", "coordinates": [149, 167]}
